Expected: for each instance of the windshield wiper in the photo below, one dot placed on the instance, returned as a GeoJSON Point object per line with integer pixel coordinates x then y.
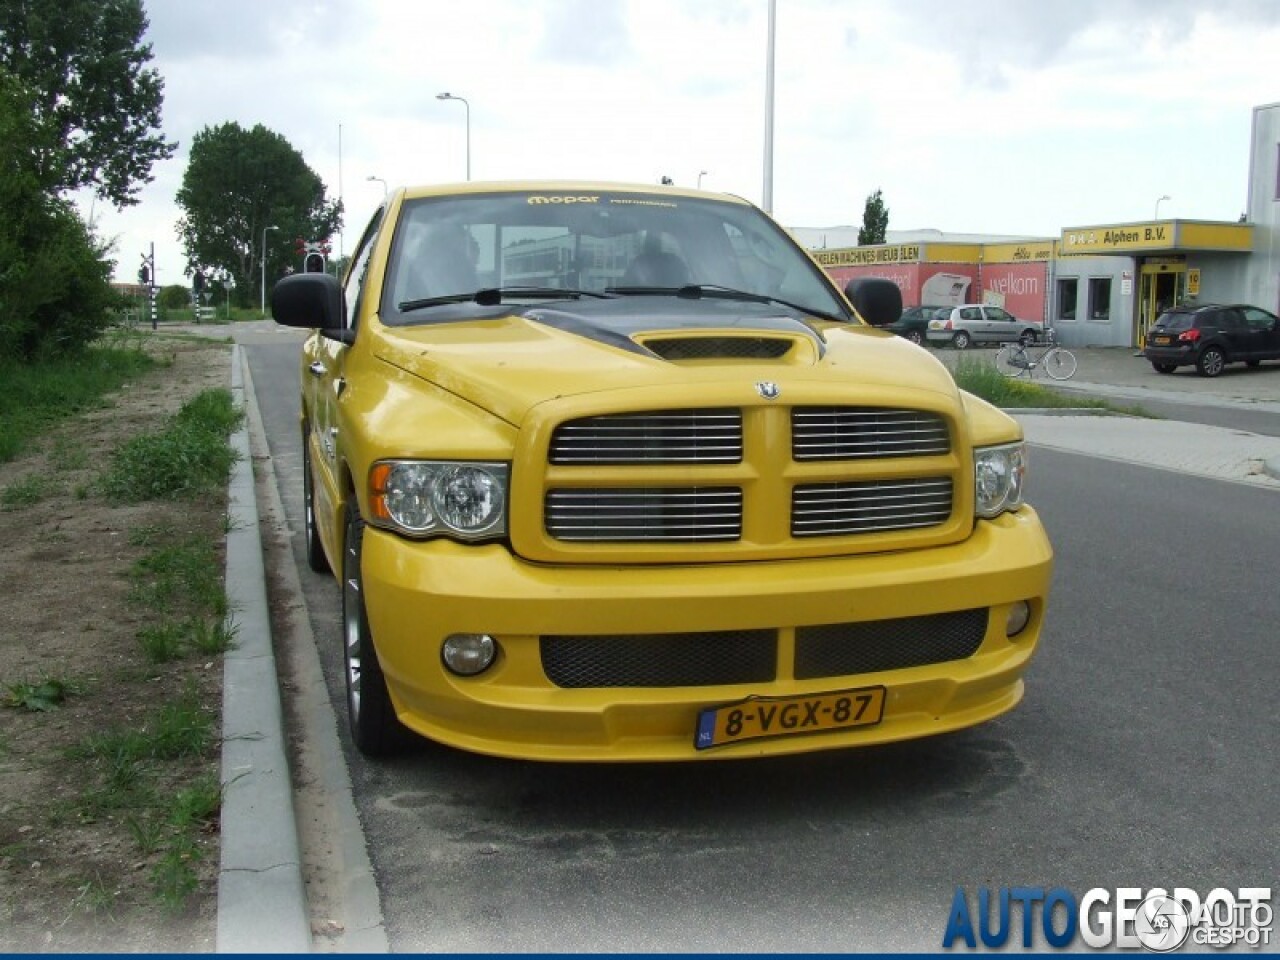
{"type": "Point", "coordinates": [713, 291]}
{"type": "Point", "coordinates": [491, 296]}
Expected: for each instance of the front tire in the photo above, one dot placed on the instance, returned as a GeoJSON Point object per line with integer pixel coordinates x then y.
{"type": "Point", "coordinates": [374, 727]}
{"type": "Point", "coordinates": [1211, 362]}
{"type": "Point", "coordinates": [1011, 361]}
{"type": "Point", "coordinates": [961, 340]}
{"type": "Point", "coordinates": [1059, 364]}
{"type": "Point", "coordinates": [1027, 337]}
{"type": "Point", "coordinates": [916, 337]}
{"type": "Point", "coordinates": [316, 559]}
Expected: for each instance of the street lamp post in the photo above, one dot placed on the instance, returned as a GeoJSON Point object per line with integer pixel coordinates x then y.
{"type": "Point", "coordinates": [701, 174]}
{"type": "Point", "coordinates": [264, 267]}
{"type": "Point", "coordinates": [768, 111]}
{"type": "Point", "coordinates": [450, 96]}
{"type": "Point", "coordinates": [1160, 201]}
{"type": "Point", "coordinates": [381, 181]}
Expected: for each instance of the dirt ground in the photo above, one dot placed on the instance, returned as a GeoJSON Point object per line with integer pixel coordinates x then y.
{"type": "Point", "coordinates": [73, 874]}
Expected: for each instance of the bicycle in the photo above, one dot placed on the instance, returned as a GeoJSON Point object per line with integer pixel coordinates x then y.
{"type": "Point", "coordinates": [1017, 360]}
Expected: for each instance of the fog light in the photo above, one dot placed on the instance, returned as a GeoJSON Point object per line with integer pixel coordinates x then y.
{"type": "Point", "coordinates": [467, 654]}
{"type": "Point", "coordinates": [1018, 618]}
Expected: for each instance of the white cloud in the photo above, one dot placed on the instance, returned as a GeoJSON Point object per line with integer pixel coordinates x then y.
{"type": "Point", "coordinates": [987, 116]}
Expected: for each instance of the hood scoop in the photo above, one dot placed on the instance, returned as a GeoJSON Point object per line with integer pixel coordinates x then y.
{"type": "Point", "coordinates": [692, 349]}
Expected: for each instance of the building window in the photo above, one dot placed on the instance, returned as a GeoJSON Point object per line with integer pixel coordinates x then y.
{"type": "Point", "coordinates": [1099, 298]}
{"type": "Point", "coordinates": [1067, 299]}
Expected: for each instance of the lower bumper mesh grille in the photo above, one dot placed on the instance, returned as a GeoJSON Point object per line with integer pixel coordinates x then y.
{"type": "Point", "coordinates": [842, 649]}
{"type": "Point", "coordinates": [661, 659]}
{"type": "Point", "coordinates": [750, 656]}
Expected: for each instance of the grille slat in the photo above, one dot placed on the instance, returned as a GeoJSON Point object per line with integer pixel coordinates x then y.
{"type": "Point", "coordinates": [665, 436]}
{"type": "Point", "coordinates": [645, 514]}
{"type": "Point", "coordinates": [854, 433]}
{"type": "Point", "coordinates": [838, 509]}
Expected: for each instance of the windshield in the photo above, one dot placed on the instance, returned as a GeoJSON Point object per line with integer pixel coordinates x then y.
{"type": "Point", "coordinates": [616, 244]}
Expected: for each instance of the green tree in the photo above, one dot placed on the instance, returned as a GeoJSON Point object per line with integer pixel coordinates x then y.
{"type": "Point", "coordinates": [875, 221]}
{"type": "Point", "coordinates": [238, 183]}
{"type": "Point", "coordinates": [93, 101]}
{"type": "Point", "coordinates": [55, 291]}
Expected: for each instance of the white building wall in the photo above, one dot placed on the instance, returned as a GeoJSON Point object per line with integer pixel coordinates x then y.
{"type": "Point", "coordinates": [1095, 324]}
{"type": "Point", "coordinates": [1262, 279]}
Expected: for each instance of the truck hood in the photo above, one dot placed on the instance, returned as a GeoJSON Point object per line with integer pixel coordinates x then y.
{"type": "Point", "coordinates": [507, 361]}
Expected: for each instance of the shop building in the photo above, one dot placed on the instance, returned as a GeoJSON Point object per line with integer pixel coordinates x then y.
{"type": "Point", "coordinates": [1097, 285]}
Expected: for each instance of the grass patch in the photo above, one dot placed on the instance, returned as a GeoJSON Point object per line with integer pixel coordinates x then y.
{"type": "Point", "coordinates": [188, 572]}
{"type": "Point", "coordinates": [982, 379]}
{"type": "Point", "coordinates": [131, 771]}
{"type": "Point", "coordinates": [26, 492]}
{"type": "Point", "coordinates": [190, 456]}
{"type": "Point", "coordinates": [36, 395]}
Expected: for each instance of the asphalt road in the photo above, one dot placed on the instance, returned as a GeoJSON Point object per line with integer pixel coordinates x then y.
{"type": "Point", "coordinates": [1144, 755]}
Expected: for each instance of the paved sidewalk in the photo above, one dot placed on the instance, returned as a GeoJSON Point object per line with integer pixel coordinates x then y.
{"type": "Point", "coordinates": [1194, 448]}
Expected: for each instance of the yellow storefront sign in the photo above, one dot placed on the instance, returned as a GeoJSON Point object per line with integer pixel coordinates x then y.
{"type": "Point", "coordinates": [1193, 282]}
{"type": "Point", "coordinates": [1158, 235]}
{"type": "Point", "coordinates": [865, 256]}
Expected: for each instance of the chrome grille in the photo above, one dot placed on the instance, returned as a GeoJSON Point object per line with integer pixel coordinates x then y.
{"type": "Point", "coordinates": [845, 649]}
{"type": "Point", "coordinates": [869, 506]}
{"type": "Point", "coordinates": [664, 436]}
{"type": "Point", "coordinates": [660, 659]}
{"type": "Point", "coordinates": [638, 514]}
{"type": "Point", "coordinates": [855, 433]}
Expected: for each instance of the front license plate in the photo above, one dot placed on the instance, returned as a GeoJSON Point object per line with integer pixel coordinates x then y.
{"type": "Point", "coordinates": [761, 717]}
{"type": "Point", "coordinates": [1164, 341]}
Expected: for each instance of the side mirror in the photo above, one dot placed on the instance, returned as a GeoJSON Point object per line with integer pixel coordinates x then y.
{"type": "Point", "coordinates": [878, 301]}
{"type": "Point", "coordinates": [311, 301]}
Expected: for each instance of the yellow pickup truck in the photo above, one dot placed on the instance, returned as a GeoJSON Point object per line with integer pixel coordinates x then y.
{"type": "Point", "coordinates": [614, 472]}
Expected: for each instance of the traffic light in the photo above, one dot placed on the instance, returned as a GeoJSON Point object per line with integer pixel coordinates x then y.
{"type": "Point", "coordinates": [197, 282]}
{"type": "Point", "coordinates": [314, 263]}
{"type": "Point", "coordinates": [144, 274]}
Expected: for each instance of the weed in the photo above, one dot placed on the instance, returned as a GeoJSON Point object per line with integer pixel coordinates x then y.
{"type": "Point", "coordinates": [40, 696]}
{"type": "Point", "coordinates": [196, 805]}
{"type": "Point", "coordinates": [174, 877]}
{"type": "Point", "coordinates": [188, 457]}
{"type": "Point", "coordinates": [147, 832]}
{"type": "Point", "coordinates": [149, 535]}
{"type": "Point", "coordinates": [93, 896]}
{"type": "Point", "coordinates": [161, 643]}
{"type": "Point", "coordinates": [26, 492]}
{"type": "Point", "coordinates": [212, 636]}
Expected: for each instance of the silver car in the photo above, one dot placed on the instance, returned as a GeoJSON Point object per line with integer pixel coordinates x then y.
{"type": "Point", "coordinates": [972, 323]}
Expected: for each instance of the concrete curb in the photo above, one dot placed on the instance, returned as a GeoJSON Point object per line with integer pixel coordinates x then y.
{"type": "Point", "coordinates": [261, 894]}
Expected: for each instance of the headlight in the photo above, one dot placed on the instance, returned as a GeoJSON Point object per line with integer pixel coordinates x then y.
{"type": "Point", "coordinates": [998, 473]}
{"type": "Point", "coordinates": [425, 497]}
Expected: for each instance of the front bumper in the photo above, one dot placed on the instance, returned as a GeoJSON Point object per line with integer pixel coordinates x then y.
{"type": "Point", "coordinates": [418, 593]}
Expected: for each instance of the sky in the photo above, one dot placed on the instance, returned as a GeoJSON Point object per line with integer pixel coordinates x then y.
{"type": "Point", "coordinates": [1006, 117]}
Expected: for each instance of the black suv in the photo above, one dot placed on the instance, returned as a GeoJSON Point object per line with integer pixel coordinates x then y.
{"type": "Point", "coordinates": [1211, 336]}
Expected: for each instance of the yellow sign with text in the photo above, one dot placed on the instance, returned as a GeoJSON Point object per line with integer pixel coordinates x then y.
{"type": "Point", "coordinates": [866, 256]}
{"type": "Point", "coordinates": [1118, 239]}
{"type": "Point", "coordinates": [1193, 282]}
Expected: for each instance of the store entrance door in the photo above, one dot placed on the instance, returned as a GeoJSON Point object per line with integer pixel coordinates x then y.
{"type": "Point", "coordinates": [1164, 285]}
